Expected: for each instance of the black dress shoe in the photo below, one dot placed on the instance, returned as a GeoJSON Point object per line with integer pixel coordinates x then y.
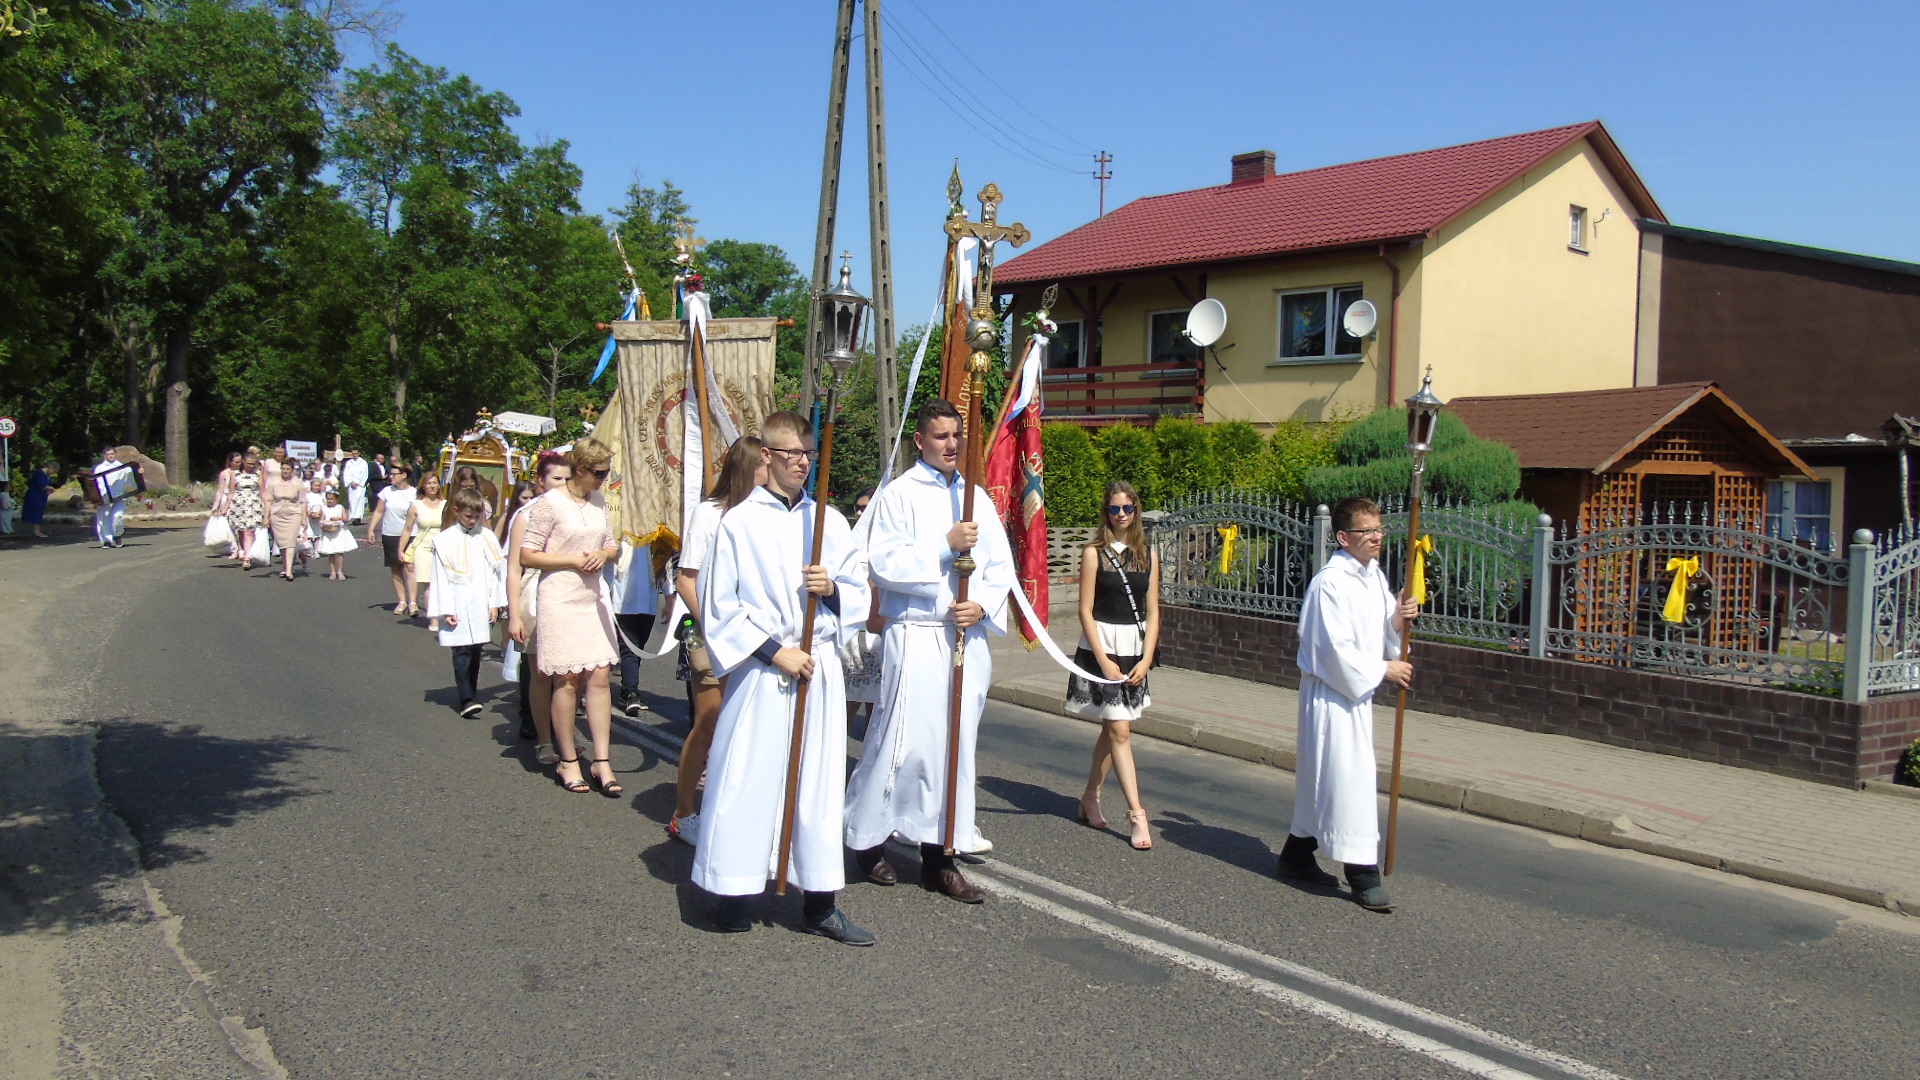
{"type": "Point", "coordinates": [873, 863]}
{"type": "Point", "coordinates": [839, 928]}
{"type": "Point", "coordinates": [1369, 888]}
{"type": "Point", "coordinates": [1307, 873]}
{"type": "Point", "coordinates": [732, 916]}
{"type": "Point", "coordinates": [949, 882]}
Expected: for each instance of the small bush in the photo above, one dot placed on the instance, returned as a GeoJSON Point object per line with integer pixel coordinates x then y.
{"type": "Point", "coordinates": [1380, 479]}
{"type": "Point", "coordinates": [1909, 771]}
{"type": "Point", "coordinates": [1186, 459]}
{"type": "Point", "coordinates": [1130, 455]}
{"type": "Point", "coordinates": [1478, 472]}
{"type": "Point", "coordinates": [1384, 434]}
{"type": "Point", "coordinates": [1075, 476]}
{"type": "Point", "coordinates": [1295, 449]}
{"type": "Point", "coordinates": [1239, 454]}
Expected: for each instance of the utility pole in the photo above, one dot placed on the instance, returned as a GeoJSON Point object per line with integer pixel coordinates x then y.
{"type": "Point", "coordinates": [829, 199]}
{"type": "Point", "coordinates": [886, 363]}
{"type": "Point", "coordinates": [1102, 174]}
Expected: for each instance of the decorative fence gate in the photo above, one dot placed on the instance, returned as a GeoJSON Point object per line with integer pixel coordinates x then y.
{"type": "Point", "coordinates": [1751, 608]}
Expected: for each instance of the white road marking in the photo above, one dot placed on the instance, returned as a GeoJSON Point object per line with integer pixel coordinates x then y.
{"type": "Point", "coordinates": [1311, 994]}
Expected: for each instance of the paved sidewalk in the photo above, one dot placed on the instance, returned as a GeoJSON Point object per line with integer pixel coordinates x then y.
{"type": "Point", "coordinates": [1860, 845]}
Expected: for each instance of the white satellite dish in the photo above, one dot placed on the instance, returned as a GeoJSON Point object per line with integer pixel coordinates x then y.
{"type": "Point", "coordinates": [1206, 322]}
{"type": "Point", "coordinates": [1361, 318]}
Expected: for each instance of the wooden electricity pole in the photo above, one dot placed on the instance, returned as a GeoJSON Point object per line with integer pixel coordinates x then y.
{"type": "Point", "coordinates": [879, 228]}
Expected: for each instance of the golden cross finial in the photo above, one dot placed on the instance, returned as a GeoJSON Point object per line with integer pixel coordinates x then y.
{"type": "Point", "coordinates": [990, 199]}
{"type": "Point", "coordinates": [688, 244]}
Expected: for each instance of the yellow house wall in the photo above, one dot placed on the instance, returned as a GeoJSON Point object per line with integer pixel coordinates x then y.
{"type": "Point", "coordinates": [1506, 307]}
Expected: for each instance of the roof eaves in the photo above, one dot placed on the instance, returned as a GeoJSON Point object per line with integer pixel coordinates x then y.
{"type": "Point", "coordinates": [1780, 247]}
{"type": "Point", "coordinates": [1491, 190]}
{"type": "Point", "coordinates": [1699, 392]}
{"type": "Point", "coordinates": [1023, 281]}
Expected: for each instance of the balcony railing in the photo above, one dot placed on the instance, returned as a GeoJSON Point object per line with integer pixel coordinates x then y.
{"type": "Point", "coordinates": [1123, 391]}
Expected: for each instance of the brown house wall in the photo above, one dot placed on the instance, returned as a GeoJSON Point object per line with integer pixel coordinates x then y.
{"type": "Point", "coordinates": [1801, 735]}
{"type": "Point", "coordinates": [1810, 348]}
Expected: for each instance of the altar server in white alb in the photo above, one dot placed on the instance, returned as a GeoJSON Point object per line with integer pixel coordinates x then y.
{"type": "Point", "coordinates": [110, 515]}
{"type": "Point", "coordinates": [354, 475]}
{"type": "Point", "coordinates": [467, 600]}
{"type": "Point", "coordinates": [900, 785]}
{"type": "Point", "coordinates": [1351, 627]}
{"type": "Point", "coordinates": [754, 585]}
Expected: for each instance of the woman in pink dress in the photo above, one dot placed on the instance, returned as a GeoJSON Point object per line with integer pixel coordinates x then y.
{"type": "Point", "coordinates": [568, 539]}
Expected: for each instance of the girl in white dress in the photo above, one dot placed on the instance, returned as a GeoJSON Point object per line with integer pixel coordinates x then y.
{"type": "Point", "coordinates": [335, 540]}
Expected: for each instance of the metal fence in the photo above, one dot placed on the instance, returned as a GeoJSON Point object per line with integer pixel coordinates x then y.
{"type": "Point", "coordinates": [1753, 608]}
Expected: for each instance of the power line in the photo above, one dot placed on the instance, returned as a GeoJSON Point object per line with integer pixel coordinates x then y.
{"type": "Point", "coordinates": [957, 89]}
{"type": "Point", "coordinates": [953, 104]}
{"type": "Point", "coordinates": [996, 83]}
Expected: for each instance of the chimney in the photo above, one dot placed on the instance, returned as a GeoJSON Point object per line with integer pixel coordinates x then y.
{"type": "Point", "coordinates": [1249, 168]}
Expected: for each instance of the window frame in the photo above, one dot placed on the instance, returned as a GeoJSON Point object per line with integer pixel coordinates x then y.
{"type": "Point", "coordinates": [1080, 334]}
{"type": "Point", "coordinates": [1334, 330]}
{"type": "Point", "coordinates": [1578, 228]}
{"type": "Point", "coordinates": [1789, 500]}
{"type": "Point", "coordinates": [1199, 354]}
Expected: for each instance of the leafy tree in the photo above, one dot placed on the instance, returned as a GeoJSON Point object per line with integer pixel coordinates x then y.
{"type": "Point", "coordinates": [1075, 475]}
{"type": "Point", "coordinates": [648, 225]}
{"type": "Point", "coordinates": [1239, 453]}
{"type": "Point", "coordinates": [1186, 462]}
{"type": "Point", "coordinates": [1373, 462]}
{"type": "Point", "coordinates": [223, 114]}
{"type": "Point", "coordinates": [1295, 449]}
{"type": "Point", "coordinates": [753, 279]}
{"type": "Point", "coordinates": [1131, 456]}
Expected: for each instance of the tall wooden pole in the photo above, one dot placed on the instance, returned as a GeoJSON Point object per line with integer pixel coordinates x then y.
{"type": "Point", "coordinates": [1406, 653]}
{"type": "Point", "coordinates": [708, 463]}
{"type": "Point", "coordinates": [880, 233]}
{"type": "Point", "coordinates": [829, 194]}
{"type": "Point", "coordinates": [806, 642]}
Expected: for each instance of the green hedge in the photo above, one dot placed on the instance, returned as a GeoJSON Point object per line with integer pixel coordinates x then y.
{"type": "Point", "coordinates": [1186, 460]}
{"type": "Point", "coordinates": [1076, 476]}
{"type": "Point", "coordinates": [1131, 455]}
{"type": "Point", "coordinates": [1239, 454]}
{"type": "Point", "coordinates": [1372, 462]}
{"type": "Point", "coordinates": [1295, 450]}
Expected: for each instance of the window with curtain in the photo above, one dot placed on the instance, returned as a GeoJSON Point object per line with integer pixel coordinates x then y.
{"type": "Point", "coordinates": [1310, 324]}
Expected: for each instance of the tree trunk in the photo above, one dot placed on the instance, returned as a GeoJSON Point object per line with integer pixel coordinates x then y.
{"type": "Point", "coordinates": [399, 372]}
{"type": "Point", "coordinates": [553, 377]}
{"type": "Point", "coordinates": [179, 339]}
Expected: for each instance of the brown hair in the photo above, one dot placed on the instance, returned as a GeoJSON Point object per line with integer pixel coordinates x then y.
{"type": "Point", "coordinates": [934, 409]}
{"type": "Point", "coordinates": [735, 482]}
{"type": "Point", "coordinates": [465, 473]}
{"type": "Point", "coordinates": [438, 487]}
{"type": "Point", "coordinates": [788, 421]}
{"type": "Point", "coordinates": [1347, 510]}
{"type": "Point", "coordinates": [524, 492]}
{"type": "Point", "coordinates": [1134, 535]}
{"type": "Point", "coordinates": [589, 454]}
{"type": "Point", "coordinates": [547, 460]}
{"type": "Point", "coordinates": [469, 498]}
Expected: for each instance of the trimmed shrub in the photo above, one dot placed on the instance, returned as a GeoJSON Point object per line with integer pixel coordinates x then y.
{"type": "Point", "coordinates": [1379, 479]}
{"type": "Point", "coordinates": [1239, 454]}
{"type": "Point", "coordinates": [1384, 434]}
{"type": "Point", "coordinates": [1373, 462]}
{"type": "Point", "coordinates": [1295, 449]}
{"type": "Point", "coordinates": [1185, 457]}
{"type": "Point", "coordinates": [1076, 477]}
{"type": "Point", "coordinates": [1130, 455]}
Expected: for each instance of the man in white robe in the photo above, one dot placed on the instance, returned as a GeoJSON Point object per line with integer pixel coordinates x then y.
{"type": "Point", "coordinates": [1351, 627]}
{"type": "Point", "coordinates": [110, 516]}
{"type": "Point", "coordinates": [900, 785]}
{"type": "Point", "coordinates": [469, 589]}
{"type": "Point", "coordinates": [354, 475]}
{"type": "Point", "coordinates": [754, 585]}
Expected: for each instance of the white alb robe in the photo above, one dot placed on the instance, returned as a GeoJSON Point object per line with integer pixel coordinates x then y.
{"type": "Point", "coordinates": [752, 587]}
{"type": "Point", "coordinates": [1346, 638]}
{"type": "Point", "coordinates": [354, 475]}
{"type": "Point", "coordinates": [110, 517]}
{"type": "Point", "coordinates": [900, 785]}
{"type": "Point", "coordinates": [473, 585]}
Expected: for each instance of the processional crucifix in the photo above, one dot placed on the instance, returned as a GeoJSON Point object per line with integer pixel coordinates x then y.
{"type": "Point", "coordinates": [982, 334]}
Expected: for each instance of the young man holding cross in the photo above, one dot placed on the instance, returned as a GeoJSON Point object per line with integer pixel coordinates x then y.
{"type": "Point", "coordinates": [755, 582]}
{"type": "Point", "coordinates": [1351, 629]}
{"type": "Point", "coordinates": [900, 785]}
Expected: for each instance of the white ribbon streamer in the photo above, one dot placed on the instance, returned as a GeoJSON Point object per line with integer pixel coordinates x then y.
{"type": "Point", "coordinates": [1053, 649]}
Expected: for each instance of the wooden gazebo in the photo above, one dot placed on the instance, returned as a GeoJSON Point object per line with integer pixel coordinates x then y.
{"type": "Point", "coordinates": [1612, 460]}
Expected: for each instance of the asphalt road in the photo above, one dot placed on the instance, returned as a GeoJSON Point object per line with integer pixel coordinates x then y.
{"type": "Point", "coordinates": [390, 890]}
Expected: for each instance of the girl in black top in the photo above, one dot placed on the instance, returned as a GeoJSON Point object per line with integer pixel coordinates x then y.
{"type": "Point", "coordinates": [1119, 633]}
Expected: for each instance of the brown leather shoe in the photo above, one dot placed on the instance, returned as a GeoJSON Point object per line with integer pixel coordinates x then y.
{"type": "Point", "coordinates": [873, 863]}
{"type": "Point", "coordinates": [950, 882]}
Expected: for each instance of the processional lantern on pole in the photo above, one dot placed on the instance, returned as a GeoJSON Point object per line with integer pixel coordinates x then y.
{"type": "Point", "coordinates": [841, 310]}
{"type": "Point", "coordinates": [1423, 418]}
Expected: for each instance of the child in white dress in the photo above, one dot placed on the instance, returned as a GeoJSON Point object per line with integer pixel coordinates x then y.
{"type": "Point", "coordinates": [335, 540]}
{"type": "Point", "coordinates": [468, 592]}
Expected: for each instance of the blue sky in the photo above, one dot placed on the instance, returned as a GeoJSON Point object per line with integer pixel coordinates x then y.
{"type": "Point", "coordinates": [1785, 121]}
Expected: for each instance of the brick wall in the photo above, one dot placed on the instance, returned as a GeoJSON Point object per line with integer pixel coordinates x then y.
{"type": "Point", "coordinates": [1802, 735]}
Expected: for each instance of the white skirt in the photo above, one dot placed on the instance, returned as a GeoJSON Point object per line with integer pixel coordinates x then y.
{"type": "Point", "coordinates": [339, 542]}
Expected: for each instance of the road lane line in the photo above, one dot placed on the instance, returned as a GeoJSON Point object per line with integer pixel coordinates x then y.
{"type": "Point", "coordinates": [1445, 1039]}
{"type": "Point", "coordinates": [1473, 1050]}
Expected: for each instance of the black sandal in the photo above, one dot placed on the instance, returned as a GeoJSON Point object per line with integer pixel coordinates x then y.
{"type": "Point", "coordinates": [610, 788]}
{"type": "Point", "coordinates": [578, 787]}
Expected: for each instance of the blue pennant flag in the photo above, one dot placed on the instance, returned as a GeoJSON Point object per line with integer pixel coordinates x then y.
{"type": "Point", "coordinates": [606, 353]}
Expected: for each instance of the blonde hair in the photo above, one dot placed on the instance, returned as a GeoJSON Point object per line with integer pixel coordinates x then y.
{"type": "Point", "coordinates": [589, 454]}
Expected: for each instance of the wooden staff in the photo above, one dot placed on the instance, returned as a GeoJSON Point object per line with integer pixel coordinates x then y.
{"type": "Point", "coordinates": [964, 566]}
{"type": "Point", "coordinates": [806, 642]}
{"type": "Point", "coordinates": [1406, 653]}
{"type": "Point", "coordinates": [706, 406]}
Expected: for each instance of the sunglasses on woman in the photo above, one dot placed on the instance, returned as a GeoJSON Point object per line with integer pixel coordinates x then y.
{"type": "Point", "coordinates": [1120, 511]}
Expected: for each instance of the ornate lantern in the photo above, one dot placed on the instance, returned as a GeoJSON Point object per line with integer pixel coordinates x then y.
{"type": "Point", "coordinates": [844, 310]}
{"type": "Point", "coordinates": [1423, 416]}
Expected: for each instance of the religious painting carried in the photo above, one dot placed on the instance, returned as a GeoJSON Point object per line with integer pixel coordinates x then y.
{"type": "Point", "coordinates": [119, 481]}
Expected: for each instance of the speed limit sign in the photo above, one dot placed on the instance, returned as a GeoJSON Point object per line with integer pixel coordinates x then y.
{"type": "Point", "coordinates": [8, 427]}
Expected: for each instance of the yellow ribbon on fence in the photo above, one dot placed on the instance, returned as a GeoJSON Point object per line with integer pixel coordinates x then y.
{"type": "Point", "coordinates": [1417, 577]}
{"type": "Point", "coordinates": [1683, 571]}
{"type": "Point", "coordinates": [1228, 535]}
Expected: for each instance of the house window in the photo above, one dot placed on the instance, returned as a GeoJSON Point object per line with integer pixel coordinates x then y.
{"type": "Point", "coordinates": [1577, 228]}
{"type": "Point", "coordinates": [1066, 347]}
{"type": "Point", "coordinates": [1167, 341]}
{"type": "Point", "coordinates": [1801, 511]}
{"type": "Point", "coordinates": [1310, 324]}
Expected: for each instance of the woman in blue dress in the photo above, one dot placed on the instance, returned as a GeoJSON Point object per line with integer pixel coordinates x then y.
{"type": "Point", "coordinates": [34, 510]}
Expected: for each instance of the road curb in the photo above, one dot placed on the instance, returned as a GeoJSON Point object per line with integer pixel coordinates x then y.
{"type": "Point", "coordinates": [1574, 820]}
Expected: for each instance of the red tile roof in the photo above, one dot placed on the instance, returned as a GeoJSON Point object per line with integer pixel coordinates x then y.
{"type": "Point", "coordinates": [1364, 202]}
{"type": "Point", "coordinates": [1593, 429]}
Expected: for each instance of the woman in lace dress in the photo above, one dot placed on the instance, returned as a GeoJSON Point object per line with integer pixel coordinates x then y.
{"type": "Point", "coordinates": [1119, 632]}
{"type": "Point", "coordinates": [246, 508]}
{"type": "Point", "coordinates": [568, 539]}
